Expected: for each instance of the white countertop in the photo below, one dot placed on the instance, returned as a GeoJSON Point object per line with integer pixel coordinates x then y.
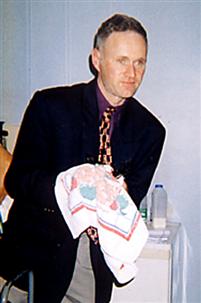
{"type": "Point", "coordinates": [160, 241]}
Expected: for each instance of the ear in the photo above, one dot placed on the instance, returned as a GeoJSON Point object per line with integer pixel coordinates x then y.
{"type": "Point", "coordinates": [95, 56]}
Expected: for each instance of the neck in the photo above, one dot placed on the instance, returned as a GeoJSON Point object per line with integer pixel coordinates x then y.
{"type": "Point", "coordinates": [111, 99]}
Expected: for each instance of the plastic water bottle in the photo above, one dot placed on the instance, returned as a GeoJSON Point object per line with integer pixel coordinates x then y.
{"type": "Point", "coordinates": [143, 208]}
{"type": "Point", "coordinates": [159, 206]}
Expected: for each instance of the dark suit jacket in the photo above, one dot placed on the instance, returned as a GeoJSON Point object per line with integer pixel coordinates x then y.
{"type": "Point", "coordinates": [60, 129]}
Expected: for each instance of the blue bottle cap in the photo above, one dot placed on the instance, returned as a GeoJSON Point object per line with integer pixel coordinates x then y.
{"type": "Point", "coordinates": [158, 185]}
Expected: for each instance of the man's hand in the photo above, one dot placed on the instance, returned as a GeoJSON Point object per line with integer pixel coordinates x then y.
{"type": "Point", "coordinates": [125, 186]}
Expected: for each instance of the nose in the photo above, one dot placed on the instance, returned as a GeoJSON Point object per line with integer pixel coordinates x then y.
{"type": "Point", "coordinates": [131, 70]}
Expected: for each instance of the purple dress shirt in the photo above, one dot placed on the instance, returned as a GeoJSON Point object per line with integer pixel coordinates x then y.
{"type": "Point", "coordinates": [103, 104]}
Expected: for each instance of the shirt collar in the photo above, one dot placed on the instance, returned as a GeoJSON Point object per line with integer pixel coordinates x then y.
{"type": "Point", "coordinates": [103, 103]}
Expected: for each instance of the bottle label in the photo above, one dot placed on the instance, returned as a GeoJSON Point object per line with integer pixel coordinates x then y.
{"type": "Point", "coordinates": [143, 212]}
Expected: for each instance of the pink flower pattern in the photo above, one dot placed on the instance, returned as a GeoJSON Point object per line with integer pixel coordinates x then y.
{"type": "Point", "coordinates": [98, 183]}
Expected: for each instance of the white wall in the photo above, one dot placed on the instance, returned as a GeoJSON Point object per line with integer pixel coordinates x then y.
{"type": "Point", "coordinates": [46, 43]}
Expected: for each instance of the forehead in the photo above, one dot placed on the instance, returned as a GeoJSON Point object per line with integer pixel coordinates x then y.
{"type": "Point", "coordinates": [125, 43]}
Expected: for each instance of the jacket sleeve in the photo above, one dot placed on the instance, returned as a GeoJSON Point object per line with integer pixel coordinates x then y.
{"type": "Point", "coordinates": [142, 167]}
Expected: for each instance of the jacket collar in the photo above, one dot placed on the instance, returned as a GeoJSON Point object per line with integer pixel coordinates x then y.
{"type": "Point", "coordinates": [123, 133]}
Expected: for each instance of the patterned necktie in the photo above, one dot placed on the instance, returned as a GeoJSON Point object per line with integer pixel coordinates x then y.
{"type": "Point", "coordinates": [105, 155]}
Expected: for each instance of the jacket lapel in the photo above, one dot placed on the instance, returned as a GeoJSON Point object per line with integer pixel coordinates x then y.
{"type": "Point", "coordinates": [124, 137]}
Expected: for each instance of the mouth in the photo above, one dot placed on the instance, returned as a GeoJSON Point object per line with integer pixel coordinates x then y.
{"type": "Point", "coordinates": [129, 84]}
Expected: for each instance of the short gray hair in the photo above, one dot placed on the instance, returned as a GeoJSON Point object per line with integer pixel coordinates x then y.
{"type": "Point", "coordinates": [118, 23]}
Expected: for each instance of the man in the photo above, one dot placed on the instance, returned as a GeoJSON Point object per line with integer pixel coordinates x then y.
{"type": "Point", "coordinates": [60, 130]}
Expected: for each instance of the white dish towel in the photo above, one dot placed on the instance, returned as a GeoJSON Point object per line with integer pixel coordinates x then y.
{"type": "Point", "coordinates": [89, 195]}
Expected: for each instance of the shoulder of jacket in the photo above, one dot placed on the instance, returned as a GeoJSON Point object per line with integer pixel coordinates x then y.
{"type": "Point", "coordinates": [71, 94]}
{"type": "Point", "coordinates": [144, 115]}
{"type": "Point", "coordinates": [61, 90]}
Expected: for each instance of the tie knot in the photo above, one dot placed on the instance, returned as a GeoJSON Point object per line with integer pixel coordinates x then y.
{"type": "Point", "coordinates": [110, 109]}
{"type": "Point", "coordinates": [108, 113]}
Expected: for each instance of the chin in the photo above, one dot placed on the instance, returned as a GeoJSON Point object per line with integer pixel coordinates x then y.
{"type": "Point", "coordinates": [128, 93]}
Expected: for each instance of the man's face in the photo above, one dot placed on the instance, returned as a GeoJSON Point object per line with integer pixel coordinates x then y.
{"type": "Point", "coordinates": [120, 63]}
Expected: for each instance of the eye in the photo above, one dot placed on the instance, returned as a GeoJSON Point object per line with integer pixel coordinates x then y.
{"type": "Point", "coordinates": [140, 64]}
{"type": "Point", "coordinates": [122, 60]}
